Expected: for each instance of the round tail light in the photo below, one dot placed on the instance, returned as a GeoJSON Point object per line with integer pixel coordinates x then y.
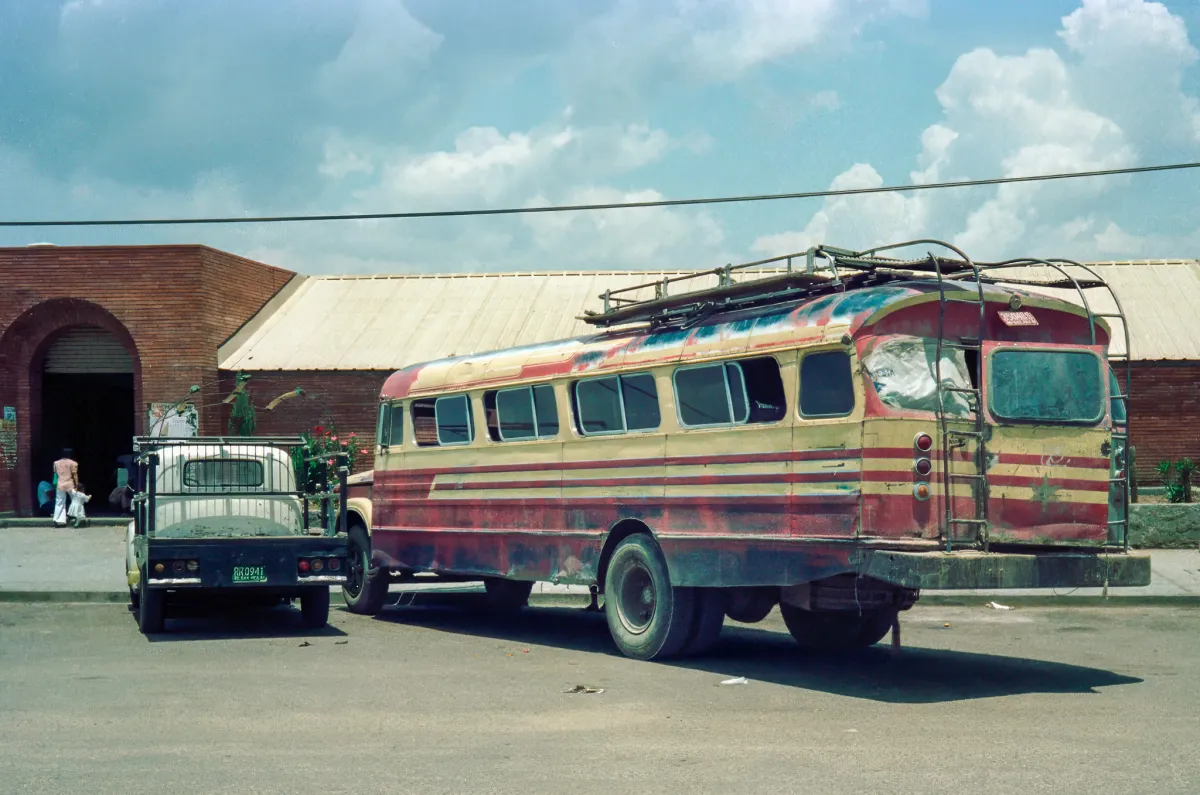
{"type": "Point", "coordinates": [318, 564]}
{"type": "Point", "coordinates": [159, 568]}
{"type": "Point", "coordinates": [921, 491]}
{"type": "Point", "coordinates": [193, 565]}
{"type": "Point", "coordinates": [177, 567]}
{"type": "Point", "coordinates": [302, 565]}
{"type": "Point", "coordinates": [924, 442]}
{"type": "Point", "coordinates": [334, 564]}
{"type": "Point", "coordinates": [923, 466]}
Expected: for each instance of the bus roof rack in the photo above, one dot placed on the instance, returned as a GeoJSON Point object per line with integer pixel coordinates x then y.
{"type": "Point", "coordinates": [819, 270]}
{"type": "Point", "coordinates": [141, 443]}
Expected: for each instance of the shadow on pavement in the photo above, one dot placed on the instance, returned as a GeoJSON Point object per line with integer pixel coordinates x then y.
{"type": "Point", "coordinates": [196, 622]}
{"type": "Point", "coordinates": [918, 676]}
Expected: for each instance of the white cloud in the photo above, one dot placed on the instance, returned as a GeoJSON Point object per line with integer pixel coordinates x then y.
{"type": "Point", "coordinates": [639, 239]}
{"type": "Point", "coordinates": [1116, 96]}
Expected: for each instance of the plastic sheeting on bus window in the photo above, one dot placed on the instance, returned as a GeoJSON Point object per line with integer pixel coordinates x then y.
{"type": "Point", "coordinates": [904, 372]}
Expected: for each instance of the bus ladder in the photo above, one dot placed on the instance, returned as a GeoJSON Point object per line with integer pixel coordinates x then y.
{"type": "Point", "coordinates": [953, 437]}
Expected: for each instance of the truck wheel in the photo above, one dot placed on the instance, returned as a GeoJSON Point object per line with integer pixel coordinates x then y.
{"type": "Point", "coordinates": [314, 607]}
{"type": "Point", "coordinates": [507, 595]}
{"type": "Point", "coordinates": [647, 617]}
{"type": "Point", "coordinates": [151, 609]}
{"type": "Point", "coordinates": [708, 616]}
{"type": "Point", "coordinates": [834, 631]}
{"type": "Point", "coordinates": [134, 597]}
{"type": "Point", "coordinates": [364, 593]}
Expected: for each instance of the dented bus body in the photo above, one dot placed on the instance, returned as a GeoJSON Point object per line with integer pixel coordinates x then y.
{"type": "Point", "coordinates": [833, 452]}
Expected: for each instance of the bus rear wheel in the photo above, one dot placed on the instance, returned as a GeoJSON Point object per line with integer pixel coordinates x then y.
{"type": "Point", "coordinates": [835, 632]}
{"type": "Point", "coordinates": [363, 592]}
{"type": "Point", "coordinates": [647, 617]}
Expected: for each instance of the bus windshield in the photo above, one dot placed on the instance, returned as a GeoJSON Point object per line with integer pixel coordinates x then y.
{"type": "Point", "coordinates": [1052, 387]}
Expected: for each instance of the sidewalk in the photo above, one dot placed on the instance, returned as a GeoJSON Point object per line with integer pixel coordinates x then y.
{"type": "Point", "coordinates": [68, 565]}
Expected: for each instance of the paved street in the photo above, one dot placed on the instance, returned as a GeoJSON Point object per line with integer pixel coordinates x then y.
{"type": "Point", "coordinates": [442, 699]}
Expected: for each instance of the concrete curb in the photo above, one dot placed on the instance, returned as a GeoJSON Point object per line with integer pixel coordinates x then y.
{"type": "Point", "coordinates": [582, 600]}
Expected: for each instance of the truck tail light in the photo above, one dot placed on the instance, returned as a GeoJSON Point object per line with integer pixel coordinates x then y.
{"type": "Point", "coordinates": [334, 564]}
{"type": "Point", "coordinates": [303, 566]}
{"type": "Point", "coordinates": [318, 564]}
{"type": "Point", "coordinates": [177, 567]}
{"type": "Point", "coordinates": [193, 565]}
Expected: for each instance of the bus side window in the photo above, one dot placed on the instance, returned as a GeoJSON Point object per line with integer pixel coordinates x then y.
{"type": "Point", "coordinates": [396, 425]}
{"type": "Point", "coordinates": [453, 417]}
{"type": "Point", "coordinates": [614, 404]}
{"type": "Point", "coordinates": [826, 385]}
{"type": "Point", "coordinates": [764, 389]}
{"type": "Point", "coordinates": [383, 428]}
{"type": "Point", "coordinates": [424, 423]}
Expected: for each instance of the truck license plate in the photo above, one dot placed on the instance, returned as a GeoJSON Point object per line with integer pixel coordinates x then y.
{"type": "Point", "coordinates": [249, 574]}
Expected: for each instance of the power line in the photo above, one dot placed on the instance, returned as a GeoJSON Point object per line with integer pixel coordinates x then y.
{"type": "Point", "coordinates": [569, 208]}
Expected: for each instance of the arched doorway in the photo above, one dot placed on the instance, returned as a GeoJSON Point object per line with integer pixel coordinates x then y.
{"type": "Point", "coordinates": [64, 377]}
{"type": "Point", "coordinates": [87, 403]}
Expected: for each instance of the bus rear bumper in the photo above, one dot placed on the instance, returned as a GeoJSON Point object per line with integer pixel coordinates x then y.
{"type": "Point", "coordinates": [998, 570]}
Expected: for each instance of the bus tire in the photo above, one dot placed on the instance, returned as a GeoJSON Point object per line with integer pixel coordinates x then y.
{"type": "Point", "coordinates": [647, 617]}
{"type": "Point", "coordinates": [363, 592]}
{"type": "Point", "coordinates": [507, 595]}
{"type": "Point", "coordinates": [820, 631]}
{"type": "Point", "coordinates": [151, 609]}
{"type": "Point", "coordinates": [708, 616]}
{"type": "Point", "coordinates": [314, 607]}
{"type": "Point", "coordinates": [750, 605]}
{"type": "Point", "coordinates": [875, 627]}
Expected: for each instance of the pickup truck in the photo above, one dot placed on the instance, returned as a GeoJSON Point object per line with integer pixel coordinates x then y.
{"type": "Point", "coordinates": [219, 518]}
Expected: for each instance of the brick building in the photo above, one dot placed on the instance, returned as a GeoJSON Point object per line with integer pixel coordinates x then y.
{"type": "Point", "coordinates": [94, 340]}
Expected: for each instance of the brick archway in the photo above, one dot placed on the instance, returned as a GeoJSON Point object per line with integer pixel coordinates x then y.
{"type": "Point", "coordinates": [22, 348]}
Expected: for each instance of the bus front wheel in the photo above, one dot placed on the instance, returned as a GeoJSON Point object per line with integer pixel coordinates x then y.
{"type": "Point", "coordinates": [647, 617]}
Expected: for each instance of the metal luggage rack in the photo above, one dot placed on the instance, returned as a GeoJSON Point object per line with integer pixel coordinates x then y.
{"type": "Point", "coordinates": [143, 443]}
{"type": "Point", "coordinates": [824, 269]}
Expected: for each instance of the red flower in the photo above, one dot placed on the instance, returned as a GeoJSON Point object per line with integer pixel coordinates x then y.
{"type": "Point", "coordinates": [364, 451]}
{"type": "Point", "coordinates": [319, 429]}
{"type": "Point", "coordinates": [333, 438]}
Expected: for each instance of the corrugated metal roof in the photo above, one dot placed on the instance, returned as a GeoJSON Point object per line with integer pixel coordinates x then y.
{"type": "Point", "coordinates": [388, 322]}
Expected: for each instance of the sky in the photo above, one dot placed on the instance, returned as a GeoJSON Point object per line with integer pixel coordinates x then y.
{"type": "Point", "coordinates": [160, 108]}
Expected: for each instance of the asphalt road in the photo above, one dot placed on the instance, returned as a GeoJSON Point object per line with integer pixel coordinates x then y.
{"type": "Point", "coordinates": [440, 699]}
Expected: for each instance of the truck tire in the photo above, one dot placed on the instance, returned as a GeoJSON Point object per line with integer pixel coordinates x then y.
{"type": "Point", "coordinates": [314, 607]}
{"type": "Point", "coordinates": [647, 617]}
{"type": "Point", "coordinates": [151, 608]}
{"type": "Point", "coordinates": [135, 598]}
{"type": "Point", "coordinates": [507, 596]}
{"type": "Point", "coordinates": [750, 605]}
{"type": "Point", "coordinates": [364, 593]}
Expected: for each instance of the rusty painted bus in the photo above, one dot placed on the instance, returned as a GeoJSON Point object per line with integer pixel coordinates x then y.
{"type": "Point", "coordinates": [829, 432]}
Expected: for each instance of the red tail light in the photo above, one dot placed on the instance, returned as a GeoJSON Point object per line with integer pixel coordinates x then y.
{"type": "Point", "coordinates": [302, 565]}
{"type": "Point", "coordinates": [923, 442]}
{"type": "Point", "coordinates": [923, 466]}
{"type": "Point", "coordinates": [334, 564]}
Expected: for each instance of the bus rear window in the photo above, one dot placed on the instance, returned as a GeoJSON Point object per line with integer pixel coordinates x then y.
{"type": "Point", "coordinates": [1046, 386]}
{"type": "Point", "coordinates": [223, 473]}
{"type": "Point", "coordinates": [904, 372]}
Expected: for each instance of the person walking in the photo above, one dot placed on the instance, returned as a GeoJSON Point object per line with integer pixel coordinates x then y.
{"type": "Point", "coordinates": [66, 475]}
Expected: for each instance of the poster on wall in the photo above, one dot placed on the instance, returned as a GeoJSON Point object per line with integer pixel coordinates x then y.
{"type": "Point", "coordinates": [166, 420]}
{"type": "Point", "coordinates": [8, 438]}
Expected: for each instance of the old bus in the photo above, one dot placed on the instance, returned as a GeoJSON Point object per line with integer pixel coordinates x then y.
{"type": "Point", "coordinates": [830, 432]}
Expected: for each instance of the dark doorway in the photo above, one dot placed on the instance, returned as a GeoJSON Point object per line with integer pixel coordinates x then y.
{"type": "Point", "coordinates": [93, 414]}
{"type": "Point", "coordinates": [87, 403]}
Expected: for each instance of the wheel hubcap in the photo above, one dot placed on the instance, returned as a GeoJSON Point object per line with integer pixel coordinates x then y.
{"type": "Point", "coordinates": [636, 599]}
